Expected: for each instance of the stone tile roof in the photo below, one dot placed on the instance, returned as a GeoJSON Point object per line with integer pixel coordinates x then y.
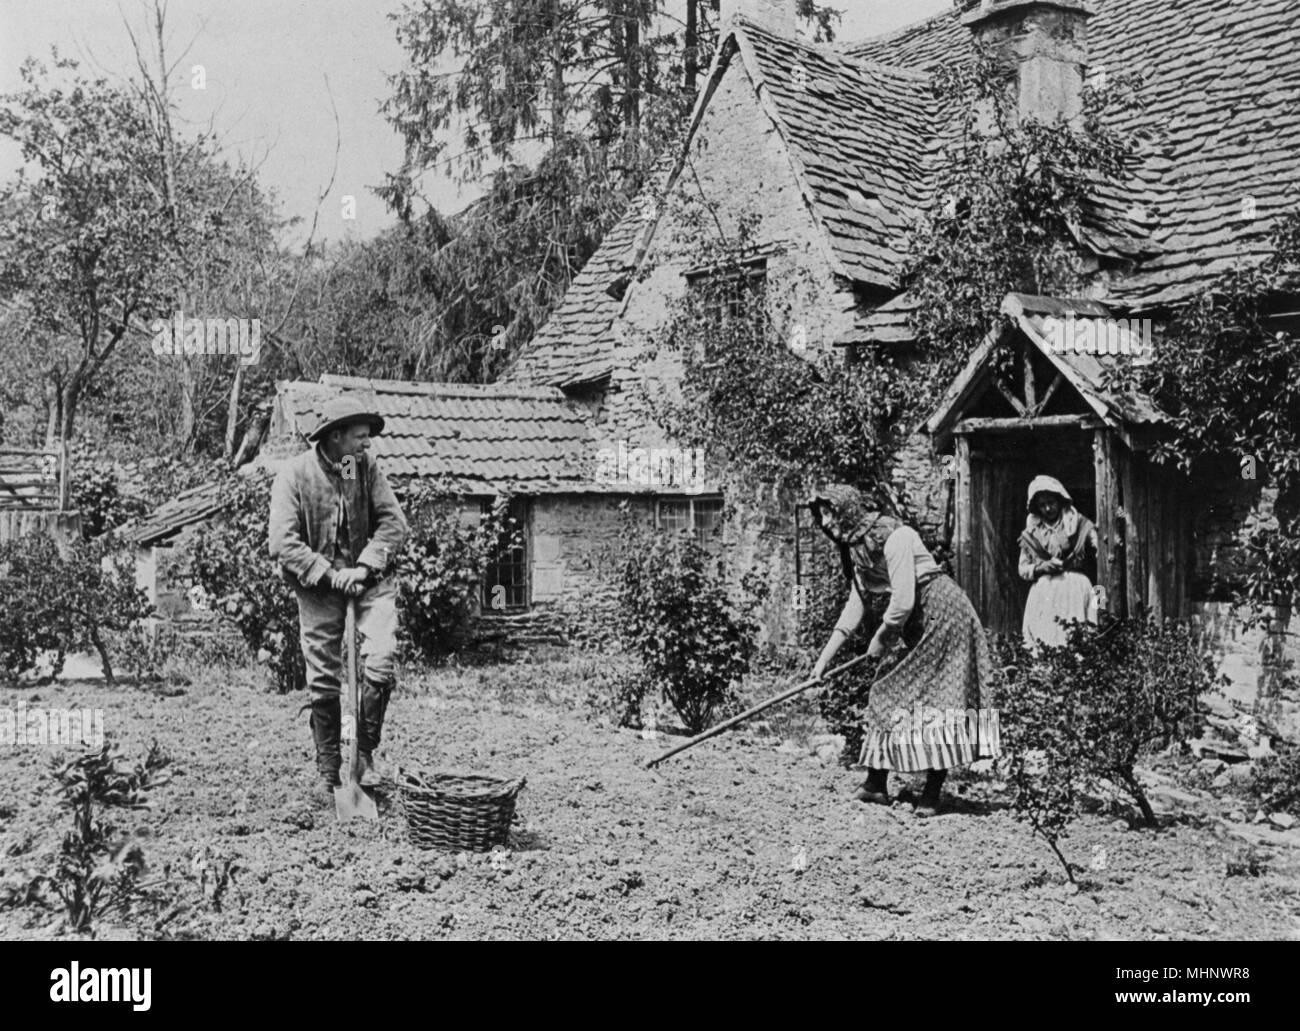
{"type": "Point", "coordinates": [485, 437]}
{"type": "Point", "coordinates": [887, 324]}
{"type": "Point", "coordinates": [1218, 90]}
{"type": "Point", "coordinates": [862, 136]}
{"type": "Point", "coordinates": [859, 135]}
{"type": "Point", "coordinates": [1087, 372]}
{"type": "Point", "coordinates": [1218, 94]}
{"type": "Point", "coordinates": [576, 344]}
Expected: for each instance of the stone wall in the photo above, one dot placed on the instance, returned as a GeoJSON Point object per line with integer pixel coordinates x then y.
{"type": "Point", "coordinates": [576, 546]}
{"type": "Point", "coordinates": [739, 162]}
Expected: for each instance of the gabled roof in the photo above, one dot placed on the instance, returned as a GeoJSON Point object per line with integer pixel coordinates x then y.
{"type": "Point", "coordinates": [1086, 373]}
{"type": "Point", "coordinates": [1217, 95]}
{"type": "Point", "coordinates": [487, 438]}
{"type": "Point", "coordinates": [861, 137]}
{"type": "Point", "coordinates": [858, 136]}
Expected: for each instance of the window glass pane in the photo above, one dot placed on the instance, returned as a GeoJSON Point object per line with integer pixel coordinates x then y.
{"type": "Point", "coordinates": [674, 516]}
{"type": "Point", "coordinates": [708, 519]}
{"type": "Point", "coordinates": [505, 581]}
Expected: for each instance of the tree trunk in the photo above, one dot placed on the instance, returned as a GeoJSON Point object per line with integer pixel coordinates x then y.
{"type": "Point", "coordinates": [632, 66]}
{"type": "Point", "coordinates": [557, 77]}
{"type": "Point", "coordinates": [692, 44]}
{"type": "Point", "coordinates": [98, 642]}
{"type": "Point", "coordinates": [68, 405]}
{"type": "Point", "coordinates": [232, 413]}
{"type": "Point", "coordinates": [1139, 796]}
{"type": "Point", "coordinates": [186, 418]}
{"type": "Point", "coordinates": [253, 436]}
{"type": "Point", "coordinates": [54, 408]}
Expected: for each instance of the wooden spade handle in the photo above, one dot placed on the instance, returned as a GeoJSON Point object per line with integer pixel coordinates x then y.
{"type": "Point", "coordinates": [351, 715]}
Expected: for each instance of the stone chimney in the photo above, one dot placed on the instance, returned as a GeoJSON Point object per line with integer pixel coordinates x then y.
{"type": "Point", "coordinates": [1045, 43]}
{"type": "Point", "coordinates": [777, 16]}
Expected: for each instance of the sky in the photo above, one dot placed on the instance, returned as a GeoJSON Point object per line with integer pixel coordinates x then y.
{"type": "Point", "coordinates": [275, 72]}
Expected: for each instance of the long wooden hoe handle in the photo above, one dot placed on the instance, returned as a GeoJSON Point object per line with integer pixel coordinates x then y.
{"type": "Point", "coordinates": [760, 707]}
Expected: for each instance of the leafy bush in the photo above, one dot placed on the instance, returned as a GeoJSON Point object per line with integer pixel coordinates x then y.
{"type": "Point", "coordinates": [757, 391]}
{"type": "Point", "coordinates": [65, 601]}
{"type": "Point", "coordinates": [233, 566]}
{"type": "Point", "coordinates": [1092, 708]}
{"type": "Point", "coordinates": [443, 563]}
{"type": "Point", "coordinates": [27, 620]}
{"type": "Point", "coordinates": [1275, 784]}
{"type": "Point", "coordinates": [98, 870]}
{"type": "Point", "coordinates": [674, 610]}
{"type": "Point", "coordinates": [95, 491]}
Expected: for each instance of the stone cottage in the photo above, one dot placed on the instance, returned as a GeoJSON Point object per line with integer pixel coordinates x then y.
{"type": "Point", "coordinates": [831, 152]}
{"type": "Point", "coordinates": [571, 498]}
{"type": "Point", "coordinates": [828, 154]}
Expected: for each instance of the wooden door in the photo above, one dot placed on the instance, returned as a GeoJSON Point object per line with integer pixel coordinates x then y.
{"type": "Point", "coordinates": [989, 518]}
{"type": "Point", "coordinates": [1157, 537]}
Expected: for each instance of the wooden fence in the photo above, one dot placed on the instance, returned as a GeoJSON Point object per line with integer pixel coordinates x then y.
{"type": "Point", "coordinates": [64, 527]}
{"type": "Point", "coordinates": [33, 479]}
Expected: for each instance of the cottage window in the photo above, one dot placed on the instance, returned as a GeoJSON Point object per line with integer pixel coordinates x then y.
{"type": "Point", "coordinates": [701, 517]}
{"type": "Point", "coordinates": [505, 581]}
{"type": "Point", "coordinates": [734, 295]}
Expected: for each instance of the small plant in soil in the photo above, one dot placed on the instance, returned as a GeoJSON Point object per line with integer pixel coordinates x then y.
{"type": "Point", "coordinates": [1247, 861]}
{"type": "Point", "coordinates": [99, 870]}
{"type": "Point", "coordinates": [1275, 783]}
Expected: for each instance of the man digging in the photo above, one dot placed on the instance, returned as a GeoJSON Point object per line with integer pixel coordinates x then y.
{"type": "Point", "coordinates": [335, 527]}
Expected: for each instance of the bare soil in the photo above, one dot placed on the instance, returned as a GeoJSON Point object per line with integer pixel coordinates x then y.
{"type": "Point", "coordinates": [751, 835]}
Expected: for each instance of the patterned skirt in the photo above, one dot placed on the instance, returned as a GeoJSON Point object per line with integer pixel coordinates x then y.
{"type": "Point", "coordinates": [927, 712]}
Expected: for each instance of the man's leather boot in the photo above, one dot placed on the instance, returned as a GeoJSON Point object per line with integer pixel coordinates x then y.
{"type": "Point", "coordinates": [326, 728]}
{"type": "Point", "coordinates": [374, 706]}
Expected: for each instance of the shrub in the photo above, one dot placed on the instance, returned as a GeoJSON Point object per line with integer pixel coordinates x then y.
{"type": "Point", "coordinates": [65, 601]}
{"type": "Point", "coordinates": [95, 490]}
{"type": "Point", "coordinates": [1092, 708]}
{"type": "Point", "coordinates": [674, 610]}
{"type": "Point", "coordinates": [1046, 766]}
{"type": "Point", "coordinates": [443, 563]}
{"type": "Point", "coordinates": [27, 621]}
{"type": "Point", "coordinates": [233, 566]}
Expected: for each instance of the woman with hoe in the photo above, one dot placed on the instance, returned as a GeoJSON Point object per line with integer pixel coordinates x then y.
{"type": "Point", "coordinates": [928, 712]}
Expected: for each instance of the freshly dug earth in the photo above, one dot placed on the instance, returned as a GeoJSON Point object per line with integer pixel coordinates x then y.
{"type": "Point", "coordinates": [744, 836]}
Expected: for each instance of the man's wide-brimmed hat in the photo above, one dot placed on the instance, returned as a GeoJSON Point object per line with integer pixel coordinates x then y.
{"type": "Point", "coordinates": [343, 411]}
{"type": "Point", "coordinates": [1047, 485]}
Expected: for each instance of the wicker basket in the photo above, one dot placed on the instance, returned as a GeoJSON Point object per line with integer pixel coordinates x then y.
{"type": "Point", "coordinates": [458, 813]}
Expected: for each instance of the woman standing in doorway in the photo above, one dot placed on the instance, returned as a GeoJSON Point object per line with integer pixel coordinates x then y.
{"type": "Point", "coordinates": [1053, 549]}
{"type": "Point", "coordinates": [925, 713]}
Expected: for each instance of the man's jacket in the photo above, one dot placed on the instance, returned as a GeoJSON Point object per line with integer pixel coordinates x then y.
{"type": "Point", "coordinates": [305, 515]}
